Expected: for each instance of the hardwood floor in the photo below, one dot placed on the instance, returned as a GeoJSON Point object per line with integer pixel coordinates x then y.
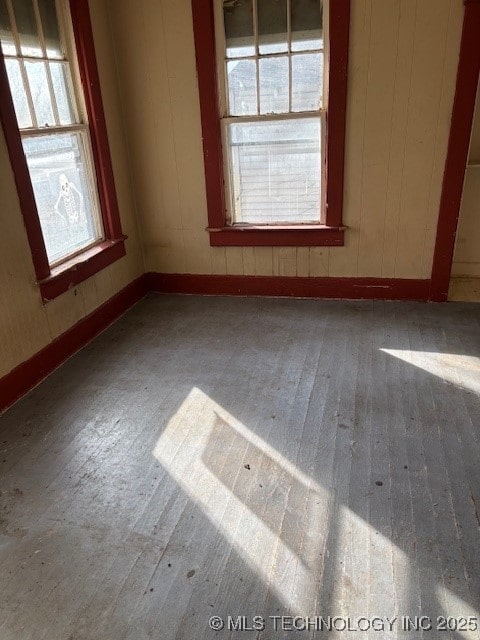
{"type": "Point", "coordinates": [242, 457]}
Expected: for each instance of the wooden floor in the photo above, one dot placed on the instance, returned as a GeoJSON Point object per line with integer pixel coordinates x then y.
{"type": "Point", "coordinates": [239, 457]}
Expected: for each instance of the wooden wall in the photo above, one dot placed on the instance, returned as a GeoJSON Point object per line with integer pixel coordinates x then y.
{"type": "Point", "coordinates": [465, 284]}
{"type": "Point", "coordinates": [26, 324]}
{"type": "Point", "coordinates": [403, 62]}
{"type": "Point", "coordinates": [474, 156]}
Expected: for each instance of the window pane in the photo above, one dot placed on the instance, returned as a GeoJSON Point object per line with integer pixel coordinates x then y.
{"type": "Point", "coordinates": [62, 94]}
{"type": "Point", "coordinates": [238, 20]}
{"type": "Point", "coordinates": [61, 179]}
{"type": "Point", "coordinates": [37, 78]}
{"type": "Point", "coordinates": [6, 36]}
{"type": "Point", "coordinates": [307, 24]}
{"type": "Point", "coordinates": [51, 34]}
{"type": "Point", "coordinates": [18, 94]}
{"type": "Point", "coordinates": [307, 81]}
{"type": "Point", "coordinates": [27, 28]}
{"type": "Point", "coordinates": [242, 87]}
{"type": "Point", "coordinates": [272, 26]}
{"type": "Point", "coordinates": [274, 85]}
{"type": "Point", "coordinates": [275, 171]}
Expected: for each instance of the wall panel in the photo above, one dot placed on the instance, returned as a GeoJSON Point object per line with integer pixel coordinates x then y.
{"type": "Point", "coordinates": [26, 324]}
{"type": "Point", "coordinates": [403, 60]}
{"type": "Point", "coordinates": [465, 283]}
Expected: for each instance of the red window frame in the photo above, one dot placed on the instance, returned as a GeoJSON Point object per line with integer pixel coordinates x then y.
{"type": "Point", "coordinates": [55, 281]}
{"type": "Point", "coordinates": [331, 231]}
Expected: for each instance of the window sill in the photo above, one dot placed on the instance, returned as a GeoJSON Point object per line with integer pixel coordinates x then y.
{"type": "Point", "coordinates": [81, 267]}
{"type": "Point", "coordinates": [277, 236]}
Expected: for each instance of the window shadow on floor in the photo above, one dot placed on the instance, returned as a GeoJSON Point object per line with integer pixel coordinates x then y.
{"type": "Point", "coordinates": [367, 457]}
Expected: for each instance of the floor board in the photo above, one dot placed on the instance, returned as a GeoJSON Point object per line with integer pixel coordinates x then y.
{"type": "Point", "coordinates": [248, 457]}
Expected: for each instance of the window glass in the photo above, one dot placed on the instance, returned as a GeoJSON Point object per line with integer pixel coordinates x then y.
{"type": "Point", "coordinates": [273, 85]}
{"type": "Point", "coordinates": [40, 92]}
{"type": "Point", "coordinates": [6, 36]}
{"type": "Point", "coordinates": [276, 79]}
{"type": "Point", "coordinates": [307, 81]}
{"type": "Point", "coordinates": [274, 164]}
{"type": "Point", "coordinates": [27, 28]}
{"type": "Point", "coordinates": [307, 24]}
{"type": "Point", "coordinates": [272, 26]}
{"type": "Point", "coordinates": [61, 179]}
{"type": "Point", "coordinates": [20, 101]}
{"type": "Point", "coordinates": [239, 33]}
{"type": "Point", "coordinates": [59, 161]}
{"type": "Point", "coordinates": [59, 74]}
{"type": "Point", "coordinates": [51, 32]}
{"type": "Point", "coordinates": [275, 171]}
{"type": "Point", "coordinates": [242, 87]}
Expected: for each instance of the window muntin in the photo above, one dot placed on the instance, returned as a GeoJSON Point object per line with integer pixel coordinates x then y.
{"type": "Point", "coordinates": [53, 124]}
{"type": "Point", "coordinates": [271, 99]}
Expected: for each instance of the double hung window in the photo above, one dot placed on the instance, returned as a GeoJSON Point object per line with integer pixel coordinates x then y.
{"type": "Point", "coordinates": [273, 103]}
{"type": "Point", "coordinates": [67, 198]}
{"type": "Point", "coordinates": [274, 135]}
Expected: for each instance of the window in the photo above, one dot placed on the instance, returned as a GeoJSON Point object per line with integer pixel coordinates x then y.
{"type": "Point", "coordinates": [274, 142]}
{"type": "Point", "coordinates": [61, 162]}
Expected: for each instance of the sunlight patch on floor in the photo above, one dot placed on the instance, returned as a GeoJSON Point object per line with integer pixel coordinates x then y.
{"type": "Point", "coordinates": [182, 448]}
{"type": "Point", "coordinates": [204, 448]}
{"type": "Point", "coordinates": [460, 370]}
{"type": "Point", "coordinates": [199, 435]}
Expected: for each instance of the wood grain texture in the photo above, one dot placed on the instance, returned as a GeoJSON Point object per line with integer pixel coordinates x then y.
{"type": "Point", "coordinates": [238, 457]}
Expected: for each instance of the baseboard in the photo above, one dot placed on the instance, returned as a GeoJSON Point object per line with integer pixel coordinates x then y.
{"type": "Point", "coordinates": [28, 374]}
{"type": "Point", "coordinates": [297, 287]}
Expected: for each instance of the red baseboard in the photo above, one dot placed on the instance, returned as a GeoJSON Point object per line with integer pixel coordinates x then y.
{"type": "Point", "coordinates": [28, 374]}
{"type": "Point", "coordinates": [352, 288]}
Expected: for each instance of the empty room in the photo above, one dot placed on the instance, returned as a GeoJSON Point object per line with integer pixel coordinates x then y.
{"type": "Point", "coordinates": [239, 319]}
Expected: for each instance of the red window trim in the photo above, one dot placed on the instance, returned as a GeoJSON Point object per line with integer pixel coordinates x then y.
{"type": "Point", "coordinates": [331, 232]}
{"type": "Point", "coordinates": [55, 281]}
{"type": "Point", "coordinates": [468, 74]}
{"type": "Point", "coordinates": [281, 236]}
